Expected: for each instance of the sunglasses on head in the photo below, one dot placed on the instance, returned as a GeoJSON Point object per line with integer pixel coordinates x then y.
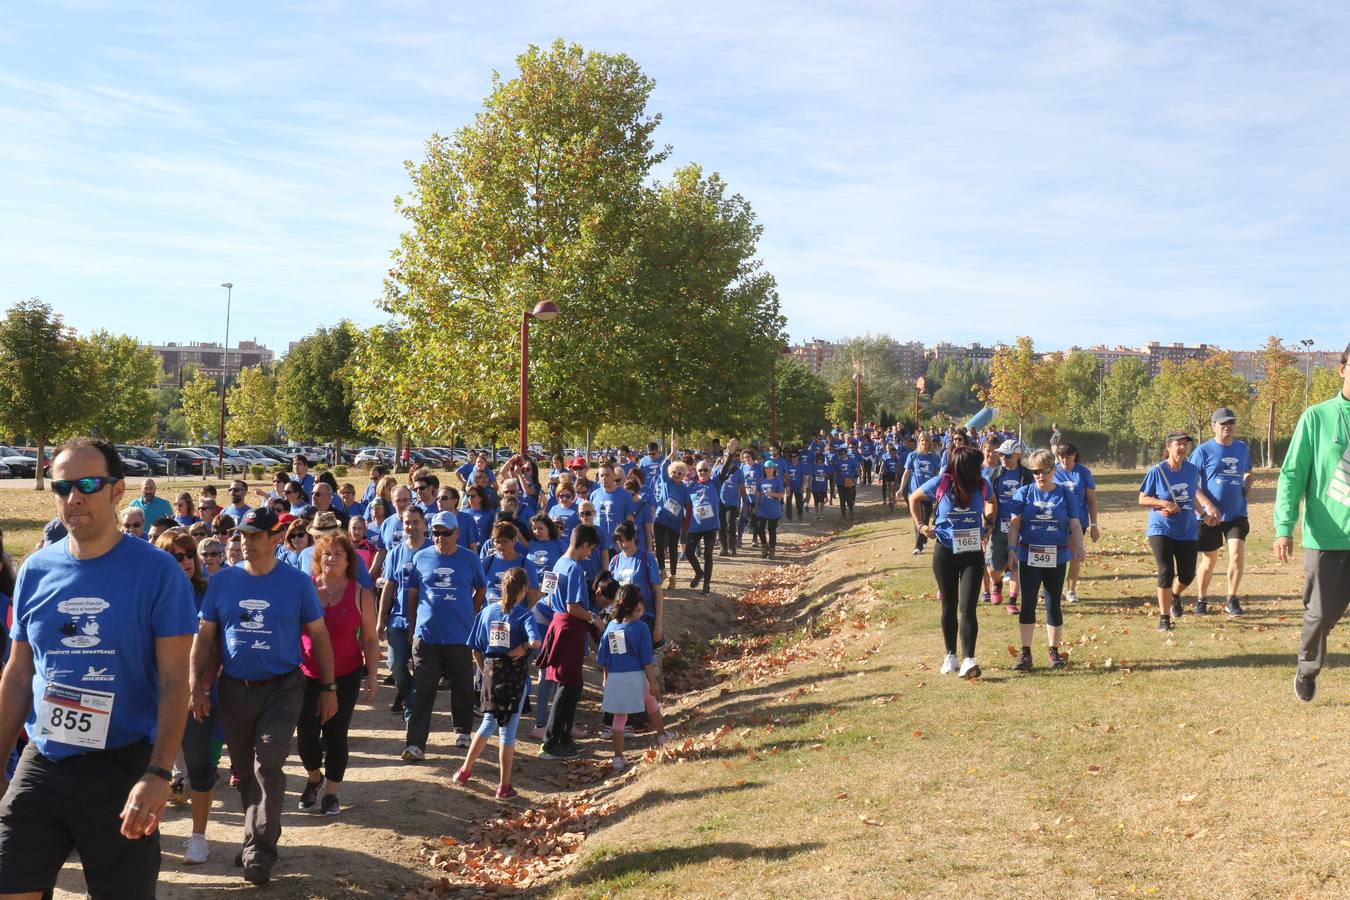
{"type": "Point", "coordinates": [89, 485]}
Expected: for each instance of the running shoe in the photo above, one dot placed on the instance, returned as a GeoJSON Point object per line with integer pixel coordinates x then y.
{"type": "Point", "coordinates": [1057, 661]}
{"type": "Point", "coordinates": [331, 807]}
{"type": "Point", "coordinates": [1164, 623]}
{"type": "Point", "coordinates": [618, 763]}
{"type": "Point", "coordinates": [463, 775]}
{"type": "Point", "coordinates": [996, 596]}
{"type": "Point", "coordinates": [948, 664]}
{"type": "Point", "coordinates": [1233, 608]}
{"type": "Point", "coordinates": [665, 737]}
{"type": "Point", "coordinates": [309, 797]}
{"type": "Point", "coordinates": [1023, 663]}
{"type": "Point", "coordinates": [558, 751]}
{"type": "Point", "coordinates": [413, 754]}
{"type": "Point", "coordinates": [1305, 687]}
{"type": "Point", "coordinates": [506, 792]}
{"type": "Point", "coordinates": [970, 668]}
{"type": "Point", "coordinates": [985, 598]}
{"type": "Point", "coordinates": [462, 740]}
{"type": "Point", "coordinates": [1201, 607]}
{"type": "Point", "coordinates": [1013, 609]}
{"type": "Point", "coordinates": [256, 873]}
{"type": "Point", "coordinates": [693, 582]}
{"type": "Point", "coordinates": [1176, 607]}
{"type": "Point", "coordinates": [196, 851]}
{"type": "Point", "coordinates": [1070, 596]}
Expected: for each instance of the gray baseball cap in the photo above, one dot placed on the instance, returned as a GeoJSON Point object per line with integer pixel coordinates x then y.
{"type": "Point", "coordinates": [1221, 415]}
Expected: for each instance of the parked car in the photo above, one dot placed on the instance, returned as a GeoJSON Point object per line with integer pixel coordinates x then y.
{"type": "Point", "coordinates": [155, 460]}
{"type": "Point", "coordinates": [438, 457]}
{"type": "Point", "coordinates": [20, 466]}
{"type": "Point", "coordinates": [232, 464]}
{"type": "Point", "coordinates": [273, 457]}
{"type": "Point", "coordinates": [369, 456]}
{"type": "Point", "coordinates": [188, 462]}
{"type": "Point", "coordinates": [131, 468]}
{"type": "Point", "coordinates": [5, 471]}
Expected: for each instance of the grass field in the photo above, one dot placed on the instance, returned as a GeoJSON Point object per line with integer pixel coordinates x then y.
{"type": "Point", "coordinates": [1154, 765]}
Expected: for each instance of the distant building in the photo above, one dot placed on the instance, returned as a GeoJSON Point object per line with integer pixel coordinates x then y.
{"type": "Point", "coordinates": [945, 350]}
{"type": "Point", "coordinates": [815, 353]}
{"type": "Point", "coordinates": [1250, 366]}
{"type": "Point", "coordinates": [211, 357]}
{"type": "Point", "coordinates": [913, 359]}
{"type": "Point", "coordinates": [1176, 353]}
{"type": "Point", "coordinates": [1107, 357]}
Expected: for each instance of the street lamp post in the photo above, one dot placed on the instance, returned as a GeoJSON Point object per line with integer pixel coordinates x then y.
{"type": "Point", "coordinates": [544, 311]}
{"type": "Point", "coordinates": [1307, 367]}
{"type": "Point", "coordinates": [857, 398]}
{"type": "Point", "coordinates": [224, 377]}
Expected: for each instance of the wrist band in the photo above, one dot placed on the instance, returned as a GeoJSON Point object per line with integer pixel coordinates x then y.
{"type": "Point", "coordinates": [159, 773]}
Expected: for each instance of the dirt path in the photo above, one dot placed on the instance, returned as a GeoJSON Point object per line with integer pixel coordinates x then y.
{"type": "Point", "coordinates": [389, 808]}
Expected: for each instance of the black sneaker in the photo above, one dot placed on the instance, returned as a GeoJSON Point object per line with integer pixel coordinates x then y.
{"type": "Point", "coordinates": [1177, 611]}
{"type": "Point", "coordinates": [1164, 623]}
{"type": "Point", "coordinates": [693, 582]}
{"type": "Point", "coordinates": [257, 873]}
{"type": "Point", "coordinates": [1057, 661]}
{"type": "Point", "coordinates": [397, 705]}
{"type": "Point", "coordinates": [330, 805]}
{"type": "Point", "coordinates": [1233, 607]}
{"type": "Point", "coordinates": [1201, 607]}
{"type": "Point", "coordinates": [1023, 663]}
{"type": "Point", "coordinates": [559, 751]}
{"type": "Point", "coordinates": [1305, 687]}
{"type": "Point", "coordinates": [310, 795]}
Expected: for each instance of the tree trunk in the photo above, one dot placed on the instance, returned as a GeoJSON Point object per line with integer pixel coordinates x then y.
{"type": "Point", "coordinates": [37, 470]}
{"type": "Point", "coordinates": [1270, 437]}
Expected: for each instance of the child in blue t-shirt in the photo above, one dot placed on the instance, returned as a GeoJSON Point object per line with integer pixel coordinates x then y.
{"type": "Point", "coordinates": [628, 664]}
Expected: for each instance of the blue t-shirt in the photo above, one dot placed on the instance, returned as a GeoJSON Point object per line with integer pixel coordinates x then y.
{"type": "Point", "coordinates": [545, 553]}
{"type": "Point", "coordinates": [237, 512]}
{"type": "Point", "coordinates": [706, 507]}
{"type": "Point", "coordinates": [568, 585]}
{"type": "Point", "coordinates": [890, 466]}
{"type": "Point", "coordinates": [91, 625]}
{"type": "Point", "coordinates": [153, 511]}
{"type": "Point", "coordinates": [671, 498]}
{"type": "Point", "coordinates": [1079, 480]}
{"type": "Point", "coordinates": [1005, 485]}
{"type": "Point", "coordinates": [1184, 526]}
{"type": "Point", "coordinates": [495, 569]}
{"type": "Point", "coordinates": [445, 583]}
{"type": "Point", "coordinates": [1222, 472]}
{"type": "Point", "coordinates": [611, 508]}
{"type": "Point", "coordinates": [519, 628]}
{"type": "Point", "coordinates": [634, 639]}
{"type": "Point", "coordinates": [261, 618]}
{"type": "Point", "coordinates": [398, 569]}
{"type": "Point", "coordinates": [731, 480]}
{"type": "Point", "coordinates": [968, 521]}
{"type": "Point", "coordinates": [1045, 517]}
{"type": "Point", "coordinates": [650, 469]}
{"type": "Point", "coordinates": [847, 467]}
{"type": "Point", "coordinates": [819, 477]}
{"type": "Point", "coordinates": [306, 483]}
{"type": "Point", "coordinates": [391, 531]}
{"type": "Point", "coordinates": [751, 474]}
{"type": "Point", "coordinates": [567, 519]}
{"type": "Point", "coordinates": [797, 473]}
{"type": "Point", "coordinates": [643, 516]}
{"type": "Point", "coordinates": [921, 467]}
{"type": "Point", "coordinates": [640, 569]}
{"type": "Point", "coordinates": [767, 507]}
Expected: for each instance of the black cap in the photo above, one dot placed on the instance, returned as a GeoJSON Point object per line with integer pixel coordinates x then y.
{"type": "Point", "coordinates": [1221, 415]}
{"type": "Point", "coordinates": [1178, 436]}
{"type": "Point", "coordinates": [260, 518]}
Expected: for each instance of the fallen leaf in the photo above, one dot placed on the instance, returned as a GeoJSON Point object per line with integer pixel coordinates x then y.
{"type": "Point", "coordinates": [1094, 770]}
{"type": "Point", "coordinates": [918, 733]}
{"type": "Point", "coordinates": [866, 821]}
{"type": "Point", "coordinates": [1187, 798]}
{"type": "Point", "coordinates": [842, 795]}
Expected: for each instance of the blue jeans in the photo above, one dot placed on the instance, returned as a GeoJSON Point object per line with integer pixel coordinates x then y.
{"type": "Point", "coordinates": [400, 656]}
{"type": "Point", "coordinates": [543, 700]}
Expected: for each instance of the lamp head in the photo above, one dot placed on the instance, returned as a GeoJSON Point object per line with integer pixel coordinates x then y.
{"type": "Point", "coordinates": [227, 284]}
{"type": "Point", "coordinates": [545, 311]}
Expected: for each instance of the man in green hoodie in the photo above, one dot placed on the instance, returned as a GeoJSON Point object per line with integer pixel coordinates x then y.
{"type": "Point", "coordinates": [1317, 471]}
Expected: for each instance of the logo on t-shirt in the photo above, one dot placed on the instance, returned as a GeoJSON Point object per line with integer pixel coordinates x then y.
{"type": "Point", "coordinates": [260, 644]}
{"type": "Point", "coordinates": [97, 675]}
{"type": "Point", "coordinates": [251, 615]}
{"type": "Point", "coordinates": [81, 632]}
{"type": "Point", "coordinates": [444, 577]}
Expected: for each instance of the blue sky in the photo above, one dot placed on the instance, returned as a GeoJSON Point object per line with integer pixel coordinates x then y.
{"type": "Point", "coordinates": [1081, 171]}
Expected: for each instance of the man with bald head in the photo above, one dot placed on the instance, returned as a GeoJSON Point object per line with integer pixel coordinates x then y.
{"type": "Point", "coordinates": [155, 508]}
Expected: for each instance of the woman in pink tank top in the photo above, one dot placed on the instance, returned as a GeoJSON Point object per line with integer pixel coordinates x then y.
{"type": "Point", "coordinates": [349, 616]}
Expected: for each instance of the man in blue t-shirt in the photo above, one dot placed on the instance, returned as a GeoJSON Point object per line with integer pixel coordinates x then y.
{"type": "Point", "coordinates": [251, 621]}
{"type": "Point", "coordinates": [237, 508]}
{"type": "Point", "coordinates": [103, 623]}
{"type": "Point", "coordinates": [1225, 468]}
{"type": "Point", "coordinates": [445, 591]}
{"type": "Point", "coordinates": [154, 507]}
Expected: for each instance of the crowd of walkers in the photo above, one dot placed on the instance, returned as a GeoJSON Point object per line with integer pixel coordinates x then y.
{"type": "Point", "coordinates": [149, 638]}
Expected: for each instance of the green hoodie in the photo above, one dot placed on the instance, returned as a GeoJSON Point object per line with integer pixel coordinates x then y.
{"type": "Point", "coordinates": [1317, 471]}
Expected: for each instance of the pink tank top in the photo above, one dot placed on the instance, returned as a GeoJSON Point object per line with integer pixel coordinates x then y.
{"type": "Point", "coordinates": [342, 620]}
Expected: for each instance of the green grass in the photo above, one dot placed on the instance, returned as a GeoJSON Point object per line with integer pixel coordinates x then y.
{"type": "Point", "coordinates": [1184, 768]}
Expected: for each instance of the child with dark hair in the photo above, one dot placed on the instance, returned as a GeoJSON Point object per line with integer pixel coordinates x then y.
{"type": "Point", "coordinates": [628, 663]}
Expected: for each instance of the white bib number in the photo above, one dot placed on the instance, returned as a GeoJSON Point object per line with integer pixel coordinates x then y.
{"type": "Point", "coordinates": [618, 643]}
{"type": "Point", "coordinates": [703, 512]}
{"type": "Point", "coordinates": [964, 540]}
{"type": "Point", "coordinates": [673, 507]}
{"type": "Point", "coordinates": [550, 582]}
{"type": "Point", "coordinates": [1003, 526]}
{"type": "Point", "coordinates": [1041, 557]}
{"type": "Point", "coordinates": [499, 636]}
{"type": "Point", "coordinates": [75, 716]}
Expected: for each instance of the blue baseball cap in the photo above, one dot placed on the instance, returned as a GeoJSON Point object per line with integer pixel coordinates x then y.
{"type": "Point", "coordinates": [444, 519]}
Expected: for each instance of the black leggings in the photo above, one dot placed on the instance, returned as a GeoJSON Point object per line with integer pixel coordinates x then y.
{"type": "Point", "coordinates": [726, 534]}
{"type": "Point", "coordinates": [563, 712]}
{"type": "Point", "coordinates": [1031, 579]}
{"type": "Point", "coordinates": [959, 576]}
{"type": "Point", "coordinates": [761, 524]}
{"type": "Point", "coordinates": [888, 490]}
{"type": "Point", "coordinates": [847, 497]}
{"type": "Point", "coordinates": [667, 541]}
{"type": "Point", "coordinates": [793, 494]}
{"type": "Point", "coordinates": [327, 743]}
{"type": "Point", "coordinates": [925, 510]}
{"type": "Point", "coordinates": [691, 552]}
{"type": "Point", "coordinates": [1176, 560]}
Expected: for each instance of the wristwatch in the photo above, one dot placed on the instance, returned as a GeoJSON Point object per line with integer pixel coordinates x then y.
{"type": "Point", "coordinates": [159, 773]}
{"type": "Point", "coordinates": [329, 688]}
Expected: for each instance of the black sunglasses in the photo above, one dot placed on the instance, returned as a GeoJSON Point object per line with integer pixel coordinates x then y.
{"type": "Point", "coordinates": [180, 555]}
{"type": "Point", "coordinates": [210, 554]}
{"type": "Point", "coordinates": [89, 485]}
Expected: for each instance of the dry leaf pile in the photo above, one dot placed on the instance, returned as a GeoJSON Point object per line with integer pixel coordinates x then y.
{"type": "Point", "coordinates": [502, 855]}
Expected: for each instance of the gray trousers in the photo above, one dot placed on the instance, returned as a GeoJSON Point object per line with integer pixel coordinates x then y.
{"type": "Point", "coordinates": [1326, 592]}
{"type": "Point", "coordinates": [258, 722]}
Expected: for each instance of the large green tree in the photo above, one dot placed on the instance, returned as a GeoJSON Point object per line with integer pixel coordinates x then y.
{"type": "Point", "coordinates": [1185, 394]}
{"type": "Point", "coordinates": [130, 373]}
{"type": "Point", "coordinates": [314, 391]}
{"type": "Point", "coordinates": [884, 372]}
{"type": "Point", "coordinates": [49, 378]}
{"type": "Point", "coordinates": [200, 403]}
{"type": "Point", "coordinates": [1079, 378]}
{"type": "Point", "coordinates": [252, 404]}
{"type": "Point", "coordinates": [1123, 388]}
{"type": "Point", "coordinates": [1279, 394]}
{"type": "Point", "coordinates": [1021, 385]}
{"type": "Point", "coordinates": [953, 387]}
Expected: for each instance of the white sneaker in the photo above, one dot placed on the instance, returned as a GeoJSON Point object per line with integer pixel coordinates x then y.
{"type": "Point", "coordinates": [462, 740]}
{"type": "Point", "coordinates": [665, 737]}
{"type": "Point", "coordinates": [606, 731]}
{"type": "Point", "coordinates": [196, 851]}
{"type": "Point", "coordinates": [618, 764]}
{"type": "Point", "coordinates": [970, 668]}
{"type": "Point", "coordinates": [1071, 597]}
{"type": "Point", "coordinates": [413, 754]}
{"type": "Point", "coordinates": [948, 664]}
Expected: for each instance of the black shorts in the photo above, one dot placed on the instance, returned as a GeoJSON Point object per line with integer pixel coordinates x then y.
{"type": "Point", "coordinates": [1212, 537]}
{"type": "Point", "coordinates": [54, 807]}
